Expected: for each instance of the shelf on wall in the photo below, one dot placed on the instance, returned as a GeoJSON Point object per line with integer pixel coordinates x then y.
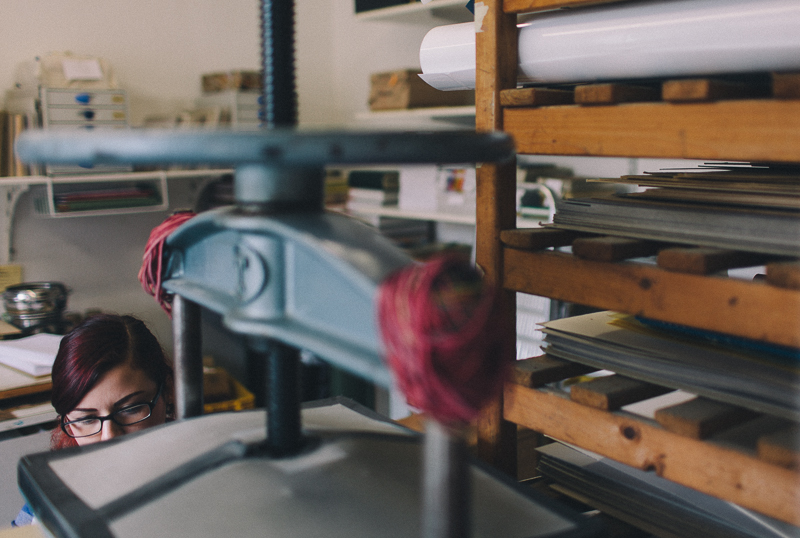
{"type": "Point", "coordinates": [103, 195]}
{"type": "Point", "coordinates": [462, 115]}
{"type": "Point", "coordinates": [12, 188]}
{"type": "Point", "coordinates": [531, 221]}
{"type": "Point", "coordinates": [417, 12]}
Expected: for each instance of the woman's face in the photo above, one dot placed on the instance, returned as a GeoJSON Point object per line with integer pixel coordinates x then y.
{"type": "Point", "coordinates": [120, 388]}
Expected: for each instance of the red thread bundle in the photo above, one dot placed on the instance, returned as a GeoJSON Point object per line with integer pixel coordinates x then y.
{"type": "Point", "coordinates": [439, 325]}
{"type": "Point", "coordinates": [151, 271]}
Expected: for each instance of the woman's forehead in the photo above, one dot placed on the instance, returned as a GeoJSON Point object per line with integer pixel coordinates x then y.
{"type": "Point", "coordinates": [116, 384]}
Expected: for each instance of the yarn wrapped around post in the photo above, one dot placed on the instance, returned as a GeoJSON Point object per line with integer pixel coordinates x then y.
{"type": "Point", "coordinates": [439, 324]}
{"type": "Point", "coordinates": [152, 268]}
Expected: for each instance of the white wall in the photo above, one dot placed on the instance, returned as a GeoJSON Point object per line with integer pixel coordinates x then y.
{"type": "Point", "coordinates": [159, 49]}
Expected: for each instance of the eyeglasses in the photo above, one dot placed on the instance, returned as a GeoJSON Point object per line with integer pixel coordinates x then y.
{"type": "Point", "coordinates": [127, 416]}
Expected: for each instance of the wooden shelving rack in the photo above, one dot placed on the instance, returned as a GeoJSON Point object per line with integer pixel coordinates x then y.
{"type": "Point", "coordinates": [739, 127]}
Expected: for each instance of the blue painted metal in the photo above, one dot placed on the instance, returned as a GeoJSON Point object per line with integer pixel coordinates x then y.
{"type": "Point", "coordinates": [277, 266]}
{"type": "Point", "coordinates": [308, 279]}
{"type": "Point", "coordinates": [275, 147]}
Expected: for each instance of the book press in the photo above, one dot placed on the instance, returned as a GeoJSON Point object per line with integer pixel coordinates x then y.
{"type": "Point", "coordinates": [286, 276]}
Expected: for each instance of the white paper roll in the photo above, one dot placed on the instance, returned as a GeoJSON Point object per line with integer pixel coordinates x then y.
{"type": "Point", "coordinates": [447, 57]}
{"type": "Point", "coordinates": [631, 40]}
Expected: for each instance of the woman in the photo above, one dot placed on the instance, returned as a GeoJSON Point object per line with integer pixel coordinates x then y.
{"type": "Point", "coordinates": [110, 377]}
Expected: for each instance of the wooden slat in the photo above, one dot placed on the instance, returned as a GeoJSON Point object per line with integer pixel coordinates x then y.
{"type": "Point", "coordinates": [711, 469]}
{"type": "Point", "coordinates": [525, 6]}
{"type": "Point", "coordinates": [724, 305]}
{"type": "Point", "coordinates": [535, 97]}
{"type": "Point", "coordinates": [613, 391]}
{"type": "Point", "coordinates": [537, 238]}
{"type": "Point", "coordinates": [705, 89]}
{"type": "Point", "coordinates": [755, 130]}
{"type": "Point", "coordinates": [781, 448]}
{"type": "Point", "coordinates": [784, 275]}
{"type": "Point", "coordinates": [496, 45]}
{"type": "Point", "coordinates": [704, 261]}
{"type": "Point", "coordinates": [538, 371]}
{"type": "Point", "coordinates": [786, 85]}
{"type": "Point", "coordinates": [701, 417]}
{"type": "Point", "coordinates": [609, 93]}
{"type": "Point", "coordinates": [610, 248]}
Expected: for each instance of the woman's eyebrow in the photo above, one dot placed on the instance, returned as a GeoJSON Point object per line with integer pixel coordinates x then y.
{"type": "Point", "coordinates": [128, 397]}
{"type": "Point", "coordinates": [122, 400]}
{"type": "Point", "coordinates": [83, 410]}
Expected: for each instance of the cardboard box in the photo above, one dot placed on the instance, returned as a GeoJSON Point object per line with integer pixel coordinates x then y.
{"type": "Point", "coordinates": [232, 80]}
{"type": "Point", "coordinates": [403, 89]}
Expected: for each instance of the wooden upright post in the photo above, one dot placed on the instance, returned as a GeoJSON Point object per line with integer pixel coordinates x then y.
{"type": "Point", "coordinates": [496, 44]}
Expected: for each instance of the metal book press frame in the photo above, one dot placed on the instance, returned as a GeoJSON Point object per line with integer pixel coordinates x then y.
{"type": "Point", "coordinates": [279, 269]}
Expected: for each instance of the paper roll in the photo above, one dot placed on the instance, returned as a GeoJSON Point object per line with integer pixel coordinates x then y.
{"type": "Point", "coordinates": [631, 40]}
{"type": "Point", "coordinates": [447, 57]}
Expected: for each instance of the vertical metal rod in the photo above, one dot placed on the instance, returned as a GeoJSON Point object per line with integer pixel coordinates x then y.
{"type": "Point", "coordinates": [446, 484]}
{"type": "Point", "coordinates": [188, 358]}
{"type": "Point", "coordinates": [279, 108]}
{"type": "Point", "coordinates": [284, 433]}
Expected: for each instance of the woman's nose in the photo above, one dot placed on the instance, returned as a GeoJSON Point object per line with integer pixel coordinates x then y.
{"type": "Point", "coordinates": [110, 430]}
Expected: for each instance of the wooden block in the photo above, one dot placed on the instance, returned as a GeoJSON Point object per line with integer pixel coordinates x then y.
{"type": "Point", "coordinates": [538, 371]}
{"type": "Point", "coordinates": [217, 385]}
{"type": "Point", "coordinates": [699, 418]}
{"type": "Point", "coordinates": [786, 85]}
{"type": "Point", "coordinates": [612, 392]}
{"type": "Point", "coordinates": [784, 274]}
{"type": "Point", "coordinates": [612, 93]}
{"type": "Point", "coordinates": [781, 448]}
{"type": "Point", "coordinates": [403, 89]}
{"type": "Point", "coordinates": [705, 89]}
{"type": "Point", "coordinates": [704, 261]}
{"type": "Point", "coordinates": [536, 97]}
{"type": "Point", "coordinates": [537, 238]}
{"type": "Point", "coordinates": [610, 248]}
{"type": "Point", "coordinates": [232, 80]}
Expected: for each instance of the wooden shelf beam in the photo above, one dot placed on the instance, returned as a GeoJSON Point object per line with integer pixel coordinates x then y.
{"type": "Point", "coordinates": [526, 6]}
{"type": "Point", "coordinates": [706, 467]}
{"type": "Point", "coordinates": [719, 304]}
{"type": "Point", "coordinates": [746, 130]}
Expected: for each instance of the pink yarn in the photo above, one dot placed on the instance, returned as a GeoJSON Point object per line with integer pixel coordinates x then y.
{"type": "Point", "coordinates": [152, 268]}
{"type": "Point", "coordinates": [439, 326]}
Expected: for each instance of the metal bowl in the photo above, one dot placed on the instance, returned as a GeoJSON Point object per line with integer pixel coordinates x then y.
{"type": "Point", "coordinates": [35, 298]}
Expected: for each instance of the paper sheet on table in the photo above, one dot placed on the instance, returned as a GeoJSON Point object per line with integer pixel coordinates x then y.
{"type": "Point", "coordinates": [33, 355]}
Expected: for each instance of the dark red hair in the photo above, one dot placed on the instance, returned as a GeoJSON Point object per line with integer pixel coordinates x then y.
{"type": "Point", "coordinates": [96, 346]}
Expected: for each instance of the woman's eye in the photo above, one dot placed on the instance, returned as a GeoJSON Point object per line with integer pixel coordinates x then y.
{"type": "Point", "coordinates": [131, 411]}
{"type": "Point", "coordinates": [83, 421]}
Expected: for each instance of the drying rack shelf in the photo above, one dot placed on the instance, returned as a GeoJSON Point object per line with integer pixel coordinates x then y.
{"type": "Point", "coordinates": [710, 302]}
{"type": "Point", "coordinates": [751, 117]}
{"type": "Point", "coordinates": [735, 468]}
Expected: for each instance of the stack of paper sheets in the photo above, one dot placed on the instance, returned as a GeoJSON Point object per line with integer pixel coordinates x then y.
{"type": "Point", "coordinates": [33, 355]}
{"type": "Point", "coordinates": [656, 504]}
{"type": "Point", "coordinates": [763, 378]}
{"type": "Point", "coordinates": [728, 205]}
